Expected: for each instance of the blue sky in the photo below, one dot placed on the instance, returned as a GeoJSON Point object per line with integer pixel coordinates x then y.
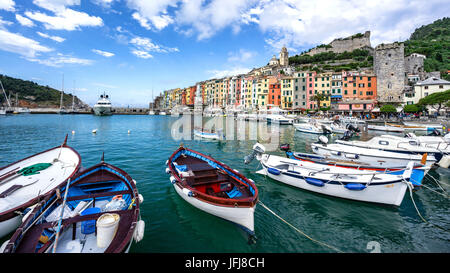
{"type": "Point", "coordinates": [130, 47]}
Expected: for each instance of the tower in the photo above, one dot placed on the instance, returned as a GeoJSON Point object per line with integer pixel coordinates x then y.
{"type": "Point", "coordinates": [389, 67]}
{"type": "Point", "coordinates": [284, 57]}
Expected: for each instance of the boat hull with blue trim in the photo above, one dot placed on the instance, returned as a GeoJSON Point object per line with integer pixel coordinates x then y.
{"type": "Point", "coordinates": [102, 191]}
{"type": "Point", "coordinates": [370, 157]}
{"type": "Point", "coordinates": [213, 187]}
{"type": "Point", "coordinates": [208, 135]}
{"type": "Point", "coordinates": [366, 186]}
{"type": "Point", "coordinates": [19, 191]}
{"type": "Point", "coordinates": [418, 173]}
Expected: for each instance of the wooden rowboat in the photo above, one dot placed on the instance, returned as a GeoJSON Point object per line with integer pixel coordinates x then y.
{"type": "Point", "coordinates": [24, 182]}
{"type": "Point", "coordinates": [213, 187]}
{"type": "Point", "coordinates": [100, 213]}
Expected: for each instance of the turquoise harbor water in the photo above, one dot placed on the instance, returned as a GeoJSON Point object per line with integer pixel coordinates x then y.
{"type": "Point", "coordinates": [172, 225]}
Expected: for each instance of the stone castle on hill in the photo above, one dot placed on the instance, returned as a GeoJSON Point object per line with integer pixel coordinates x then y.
{"type": "Point", "coordinates": [340, 45]}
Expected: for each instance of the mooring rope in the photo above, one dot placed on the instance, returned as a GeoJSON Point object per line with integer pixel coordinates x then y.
{"type": "Point", "coordinates": [298, 230]}
{"type": "Point", "coordinates": [418, 212]}
{"type": "Point", "coordinates": [292, 226]}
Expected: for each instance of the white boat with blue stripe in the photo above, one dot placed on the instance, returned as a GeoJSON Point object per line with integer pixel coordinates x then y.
{"type": "Point", "coordinates": [360, 185]}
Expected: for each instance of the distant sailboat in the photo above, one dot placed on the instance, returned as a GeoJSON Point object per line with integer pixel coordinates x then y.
{"type": "Point", "coordinates": [73, 110]}
{"type": "Point", "coordinates": [3, 111]}
{"type": "Point", "coordinates": [61, 108]}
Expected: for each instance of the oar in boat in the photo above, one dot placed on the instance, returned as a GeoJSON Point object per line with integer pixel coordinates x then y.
{"type": "Point", "coordinates": [61, 215]}
{"type": "Point", "coordinates": [17, 186]}
{"type": "Point", "coordinates": [26, 171]}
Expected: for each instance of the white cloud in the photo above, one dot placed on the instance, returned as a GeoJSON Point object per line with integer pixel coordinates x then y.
{"type": "Point", "coordinates": [7, 5]}
{"type": "Point", "coordinates": [56, 5]}
{"type": "Point", "coordinates": [3, 22]}
{"type": "Point", "coordinates": [103, 3]}
{"type": "Point", "coordinates": [241, 57]}
{"type": "Point", "coordinates": [143, 47]}
{"type": "Point", "coordinates": [148, 45]}
{"type": "Point", "coordinates": [24, 21]}
{"type": "Point", "coordinates": [214, 16]}
{"type": "Point", "coordinates": [54, 38]}
{"type": "Point", "coordinates": [142, 21]}
{"type": "Point", "coordinates": [228, 72]}
{"type": "Point", "coordinates": [152, 13]}
{"type": "Point", "coordinates": [16, 43]}
{"type": "Point", "coordinates": [64, 18]}
{"type": "Point", "coordinates": [60, 60]}
{"type": "Point", "coordinates": [141, 54]}
{"type": "Point", "coordinates": [103, 53]}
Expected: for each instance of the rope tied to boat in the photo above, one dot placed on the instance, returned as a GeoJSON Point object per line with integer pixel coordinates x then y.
{"type": "Point", "coordinates": [299, 231]}
{"type": "Point", "coordinates": [410, 187]}
{"type": "Point", "coordinates": [292, 226]}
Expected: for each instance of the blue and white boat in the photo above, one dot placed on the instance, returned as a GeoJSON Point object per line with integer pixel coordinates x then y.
{"type": "Point", "coordinates": [360, 185]}
{"type": "Point", "coordinates": [218, 134]}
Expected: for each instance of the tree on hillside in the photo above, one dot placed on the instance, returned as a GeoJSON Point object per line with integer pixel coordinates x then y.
{"type": "Point", "coordinates": [435, 100]}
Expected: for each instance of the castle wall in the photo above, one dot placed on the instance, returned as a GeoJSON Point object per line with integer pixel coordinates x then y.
{"type": "Point", "coordinates": [344, 44]}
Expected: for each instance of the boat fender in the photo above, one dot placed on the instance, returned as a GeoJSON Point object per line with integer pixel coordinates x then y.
{"type": "Point", "coordinates": [314, 182]}
{"type": "Point", "coordinates": [27, 212]}
{"type": "Point", "coordinates": [188, 192]}
{"type": "Point", "coordinates": [141, 198]}
{"type": "Point", "coordinates": [354, 156]}
{"type": "Point", "coordinates": [134, 181]}
{"type": "Point", "coordinates": [335, 153]}
{"type": "Point", "coordinates": [273, 171]}
{"type": "Point", "coordinates": [167, 170]}
{"type": "Point", "coordinates": [172, 180]}
{"type": "Point", "coordinates": [355, 186]}
{"type": "Point", "coordinates": [167, 162]}
{"type": "Point", "coordinates": [323, 139]}
{"type": "Point", "coordinates": [444, 162]}
{"type": "Point", "coordinates": [139, 231]}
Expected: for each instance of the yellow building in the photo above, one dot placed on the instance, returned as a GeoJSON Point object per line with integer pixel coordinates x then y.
{"type": "Point", "coordinates": [322, 85]}
{"type": "Point", "coordinates": [287, 92]}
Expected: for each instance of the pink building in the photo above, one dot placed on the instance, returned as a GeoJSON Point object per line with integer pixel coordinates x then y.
{"type": "Point", "coordinates": [310, 89]}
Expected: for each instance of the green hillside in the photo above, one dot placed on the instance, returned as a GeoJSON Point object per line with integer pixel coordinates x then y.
{"type": "Point", "coordinates": [31, 94]}
{"type": "Point", "coordinates": [433, 41]}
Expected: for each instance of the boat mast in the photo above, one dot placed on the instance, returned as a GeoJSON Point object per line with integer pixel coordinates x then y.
{"type": "Point", "coordinates": [62, 93]}
{"type": "Point", "coordinates": [6, 97]}
{"type": "Point", "coordinates": [73, 95]}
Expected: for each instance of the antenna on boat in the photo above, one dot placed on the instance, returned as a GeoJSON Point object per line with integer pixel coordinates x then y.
{"type": "Point", "coordinates": [103, 157]}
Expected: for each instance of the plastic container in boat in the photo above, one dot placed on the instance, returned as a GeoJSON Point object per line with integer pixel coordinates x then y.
{"type": "Point", "coordinates": [88, 227]}
{"type": "Point", "coordinates": [115, 204]}
{"type": "Point", "coordinates": [107, 225]}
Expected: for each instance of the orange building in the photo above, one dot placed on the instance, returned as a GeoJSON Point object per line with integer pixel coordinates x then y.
{"type": "Point", "coordinates": [275, 94]}
{"type": "Point", "coordinates": [358, 86]}
{"type": "Point", "coordinates": [191, 90]}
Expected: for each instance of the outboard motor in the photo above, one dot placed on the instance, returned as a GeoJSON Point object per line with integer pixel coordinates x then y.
{"type": "Point", "coordinates": [347, 135]}
{"type": "Point", "coordinates": [350, 127]}
{"type": "Point", "coordinates": [326, 129]}
{"type": "Point", "coordinates": [323, 140]}
{"type": "Point", "coordinates": [258, 150]}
